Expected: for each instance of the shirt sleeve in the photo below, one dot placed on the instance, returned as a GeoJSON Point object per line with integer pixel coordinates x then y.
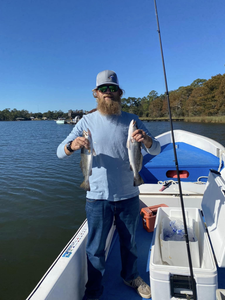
{"type": "Point", "coordinates": [77, 131]}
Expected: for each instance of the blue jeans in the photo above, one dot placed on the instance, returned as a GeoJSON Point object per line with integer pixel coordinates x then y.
{"type": "Point", "coordinates": [100, 216]}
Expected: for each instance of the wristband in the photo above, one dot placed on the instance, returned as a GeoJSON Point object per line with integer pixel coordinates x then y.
{"type": "Point", "coordinates": [68, 147]}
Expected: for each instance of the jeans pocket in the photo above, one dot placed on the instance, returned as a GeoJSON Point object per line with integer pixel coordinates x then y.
{"type": "Point", "coordinates": [90, 200]}
{"type": "Point", "coordinates": [90, 206]}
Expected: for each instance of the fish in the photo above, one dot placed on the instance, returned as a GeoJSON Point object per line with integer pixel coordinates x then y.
{"type": "Point", "coordinates": [134, 154]}
{"type": "Point", "coordinates": [86, 160]}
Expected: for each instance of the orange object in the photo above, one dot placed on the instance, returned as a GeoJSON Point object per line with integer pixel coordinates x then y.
{"type": "Point", "coordinates": [173, 174]}
{"type": "Point", "coordinates": [148, 215]}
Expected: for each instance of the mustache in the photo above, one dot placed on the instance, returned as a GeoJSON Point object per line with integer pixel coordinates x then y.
{"type": "Point", "coordinates": [112, 98]}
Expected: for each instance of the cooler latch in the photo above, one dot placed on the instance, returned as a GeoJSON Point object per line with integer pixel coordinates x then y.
{"type": "Point", "coordinates": [181, 286]}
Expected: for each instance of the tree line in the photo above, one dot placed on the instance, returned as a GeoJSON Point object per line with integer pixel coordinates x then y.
{"type": "Point", "coordinates": [14, 114]}
{"type": "Point", "coordinates": [201, 98]}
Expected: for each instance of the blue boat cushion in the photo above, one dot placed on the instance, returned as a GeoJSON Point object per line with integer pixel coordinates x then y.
{"type": "Point", "coordinates": [195, 161]}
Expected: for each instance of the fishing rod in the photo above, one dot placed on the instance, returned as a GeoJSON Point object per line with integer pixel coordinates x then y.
{"type": "Point", "coordinates": [192, 281]}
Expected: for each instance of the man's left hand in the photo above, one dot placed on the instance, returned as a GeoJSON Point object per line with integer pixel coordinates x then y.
{"type": "Point", "coordinates": [140, 136]}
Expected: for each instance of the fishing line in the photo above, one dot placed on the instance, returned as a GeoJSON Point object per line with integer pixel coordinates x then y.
{"type": "Point", "coordinates": [192, 280]}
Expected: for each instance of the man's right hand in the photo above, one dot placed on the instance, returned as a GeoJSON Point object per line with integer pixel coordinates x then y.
{"type": "Point", "coordinates": [77, 144]}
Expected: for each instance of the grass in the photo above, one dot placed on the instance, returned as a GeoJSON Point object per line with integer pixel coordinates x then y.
{"type": "Point", "coordinates": [206, 119]}
{"type": "Point", "coordinates": [198, 119]}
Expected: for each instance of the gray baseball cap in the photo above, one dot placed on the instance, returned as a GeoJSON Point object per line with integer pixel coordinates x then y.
{"type": "Point", "coordinates": [106, 77]}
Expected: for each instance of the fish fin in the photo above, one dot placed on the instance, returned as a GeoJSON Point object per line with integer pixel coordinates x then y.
{"type": "Point", "coordinates": [131, 168]}
{"type": "Point", "coordinates": [138, 181]}
{"type": "Point", "coordinates": [128, 143]}
{"type": "Point", "coordinates": [85, 185]}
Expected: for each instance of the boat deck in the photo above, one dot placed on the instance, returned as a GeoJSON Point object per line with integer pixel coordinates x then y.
{"type": "Point", "coordinates": [114, 288]}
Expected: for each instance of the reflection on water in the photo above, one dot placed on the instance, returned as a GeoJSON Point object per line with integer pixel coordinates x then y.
{"type": "Point", "coordinates": [41, 202]}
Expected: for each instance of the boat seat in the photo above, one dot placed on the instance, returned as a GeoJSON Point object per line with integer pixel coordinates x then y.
{"type": "Point", "coordinates": [192, 161]}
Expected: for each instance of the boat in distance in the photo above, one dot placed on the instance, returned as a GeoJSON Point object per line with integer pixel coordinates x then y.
{"type": "Point", "coordinates": [202, 174]}
{"type": "Point", "coordinates": [60, 121]}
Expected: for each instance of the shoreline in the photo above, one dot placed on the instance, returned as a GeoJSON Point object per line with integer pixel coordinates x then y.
{"type": "Point", "coordinates": [198, 119]}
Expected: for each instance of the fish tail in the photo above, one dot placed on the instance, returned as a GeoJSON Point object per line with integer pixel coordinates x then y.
{"type": "Point", "coordinates": [138, 180]}
{"type": "Point", "coordinates": [85, 185]}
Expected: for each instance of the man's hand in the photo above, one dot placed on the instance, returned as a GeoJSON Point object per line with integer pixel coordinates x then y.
{"type": "Point", "coordinates": [140, 136]}
{"type": "Point", "coordinates": [77, 144]}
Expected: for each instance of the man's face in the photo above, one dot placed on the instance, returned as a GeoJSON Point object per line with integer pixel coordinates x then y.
{"type": "Point", "coordinates": [109, 103]}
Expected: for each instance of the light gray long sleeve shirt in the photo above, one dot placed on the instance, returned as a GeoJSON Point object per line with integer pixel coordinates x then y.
{"type": "Point", "coordinates": [111, 179]}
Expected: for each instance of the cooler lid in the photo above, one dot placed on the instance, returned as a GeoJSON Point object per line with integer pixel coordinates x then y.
{"type": "Point", "coordinates": [213, 206]}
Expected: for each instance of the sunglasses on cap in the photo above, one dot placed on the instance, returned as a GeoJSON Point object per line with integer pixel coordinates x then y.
{"type": "Point", "coordinates": [104, 88]}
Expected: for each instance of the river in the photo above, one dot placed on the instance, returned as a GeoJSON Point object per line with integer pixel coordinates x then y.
{"type": "Point", "coordinates": [41, 203]}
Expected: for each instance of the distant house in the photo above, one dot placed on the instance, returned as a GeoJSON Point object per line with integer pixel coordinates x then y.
{"type": "Point", "coordinates": [73, 113]}
{"type": "Point", "coordinates": [20, 119]}
{"type": "Point", "coordinates": [44, 118]}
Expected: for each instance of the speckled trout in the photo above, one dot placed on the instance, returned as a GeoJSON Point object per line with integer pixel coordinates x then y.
{"type": "Point", "coordinates": [86, 161]}
{"type": "Point", "coordinates": [135, 155]}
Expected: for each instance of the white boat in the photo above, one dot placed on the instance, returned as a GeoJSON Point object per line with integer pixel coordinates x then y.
{"type": "Point", "coordinates": [203, 195]}
{"type": "Point", "coordinates": [60, 121]}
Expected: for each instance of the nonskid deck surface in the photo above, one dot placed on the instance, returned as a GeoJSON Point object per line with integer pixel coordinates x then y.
{"type": "Point", "coordinates": [114, 288]}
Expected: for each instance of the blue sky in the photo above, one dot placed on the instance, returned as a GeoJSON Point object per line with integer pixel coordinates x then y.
{"type": "Point", "coordinates": [51, 51]}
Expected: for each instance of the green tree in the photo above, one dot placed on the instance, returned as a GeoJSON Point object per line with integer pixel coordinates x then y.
{"type": "Point", "coordinates": [144, 107]}
{"type": "Point", "coordinates": [198, 82]}
{"type": "Point", "coordinates": [152, 96]}
{"type": "Point", "coordinates": [6, 115]}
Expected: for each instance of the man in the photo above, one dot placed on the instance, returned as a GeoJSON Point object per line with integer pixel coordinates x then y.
{"type": "Point", "coordinates": [112, 194]}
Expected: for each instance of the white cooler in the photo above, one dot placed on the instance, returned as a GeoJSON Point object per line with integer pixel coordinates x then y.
{"type": "Point", "coordinates": [169, 269]}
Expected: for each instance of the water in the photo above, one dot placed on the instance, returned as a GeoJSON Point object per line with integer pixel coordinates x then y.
{"type": "Point", "coordinates": [41, 203]}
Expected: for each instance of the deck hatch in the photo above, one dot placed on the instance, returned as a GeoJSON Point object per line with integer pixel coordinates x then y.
{"type": "Point", "coordinates": [181, 286]}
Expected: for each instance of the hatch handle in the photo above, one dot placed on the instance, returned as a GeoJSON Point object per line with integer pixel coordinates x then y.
{"type": "Point", "coordinates": [181, 286]}
{"type": "Point", "coordinates": [215, 172]}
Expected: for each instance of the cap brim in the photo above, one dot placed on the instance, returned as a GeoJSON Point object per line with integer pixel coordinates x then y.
{"type": "Point", "coordinates": [109, 83]}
